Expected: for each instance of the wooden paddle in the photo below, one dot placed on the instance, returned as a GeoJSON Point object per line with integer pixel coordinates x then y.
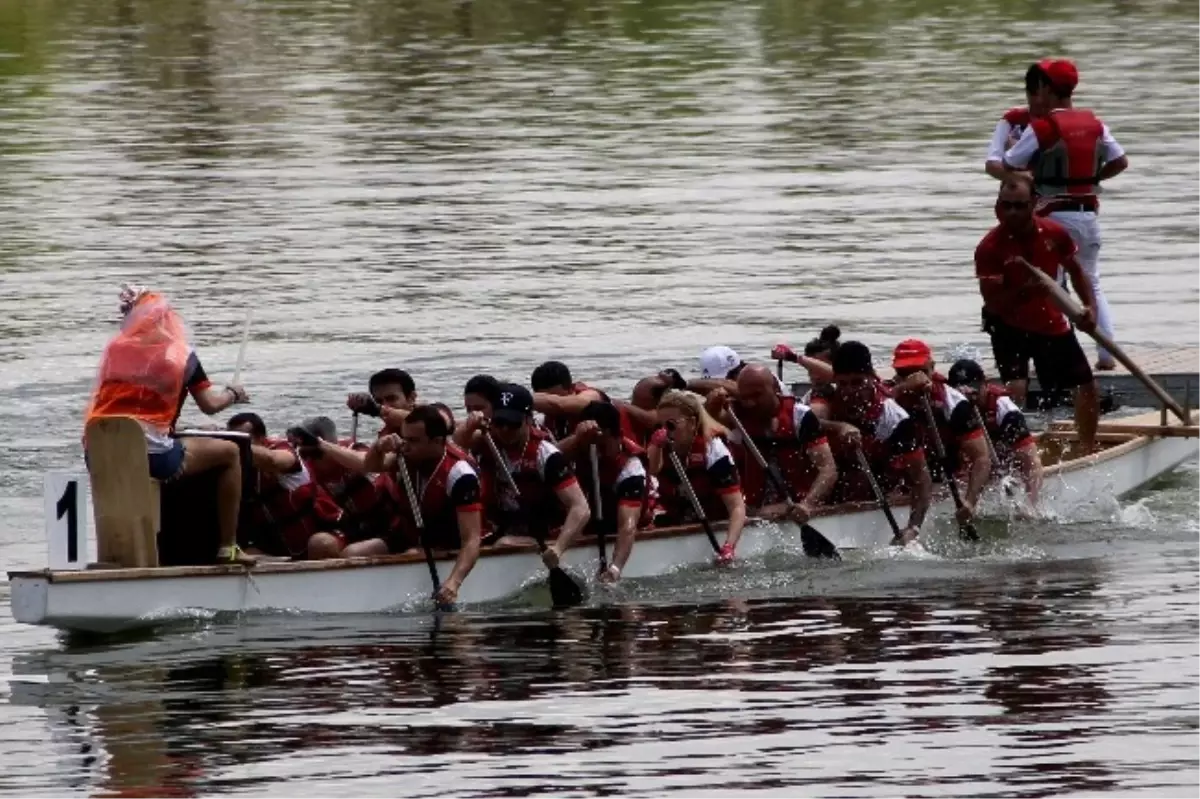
{"type": "Point", "coordinates": [241, 358]}
{"type": "Point", "coordinates": [564, 591]}
{"type": "Point", "coordinates": [598, 511]}
{"type": "Point", "coordinates": [421, 533]}
{"type": "Point", "coordinates": [1074, 312]}
{"type": "Point", "coordinates": [965, 529]}
{"type": "Point", "coordinates": [354, 430]}
{"type": "Point", "coordinates": [815, 545]}
{"type": "Point", "coordinates": [686, 484]}
{"type": "Point", "coordinates": [880, 497]}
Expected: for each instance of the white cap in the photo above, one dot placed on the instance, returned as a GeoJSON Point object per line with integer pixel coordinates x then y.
{"type": "Point", "coordinates": [717, 362]}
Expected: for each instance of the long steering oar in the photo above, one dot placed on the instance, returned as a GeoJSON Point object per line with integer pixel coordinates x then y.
{"type": "Point", "coordinates": [686, 484]}
{"type": "Point", "coordinates": [1074, 312]}
{"type": "Point", "coordinates": [241, 357]}
{"type": "Point", "coordinates": [965, 529]}
{"type": "Point", "coordinates": [421, 532]}
{"type": "Point", "coordinates": [564, 591]}
{"type": "Point", "coordinates": [880, 497]}
{"type": "Point", "coordinates": [598, 511]}
{"type": "Point", "coordinates": [815, 544]}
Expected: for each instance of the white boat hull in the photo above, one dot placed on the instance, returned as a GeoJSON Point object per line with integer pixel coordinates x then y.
{"type": "Point", "coordinates": [113, 600]}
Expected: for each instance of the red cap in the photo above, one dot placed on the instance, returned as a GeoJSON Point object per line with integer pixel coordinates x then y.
{"type": "Point", "coordinates": [911, 354]}
{"type": "Point", "coordinates": [1062, 73]}
{"type": "Point", "coordinates": [1044, 65]}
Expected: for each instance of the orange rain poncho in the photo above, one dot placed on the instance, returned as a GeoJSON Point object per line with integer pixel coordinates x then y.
{"type": "Point", "coordinates": [143, 368]}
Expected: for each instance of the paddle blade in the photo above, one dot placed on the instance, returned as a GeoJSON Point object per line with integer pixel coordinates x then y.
{"type": "Point", "coordinates": [564, 591]}
{"type": "Point", "coordinates": [967, 532]}
{"type": "Point", "coordinates": [816, 545]}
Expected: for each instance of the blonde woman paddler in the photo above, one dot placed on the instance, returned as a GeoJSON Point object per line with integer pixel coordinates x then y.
{"type": "Point", "coordinates": [699, 444]}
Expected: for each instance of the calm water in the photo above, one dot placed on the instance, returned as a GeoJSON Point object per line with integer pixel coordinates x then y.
{"type": "Point", "coordinates": [456, 187]}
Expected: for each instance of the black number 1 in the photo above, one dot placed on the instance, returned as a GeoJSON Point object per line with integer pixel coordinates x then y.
{"type": "Point", "coordinates": [67, 504]}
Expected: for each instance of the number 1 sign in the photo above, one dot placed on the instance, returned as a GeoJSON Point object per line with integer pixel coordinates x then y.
{"type": "Point", "coordinates": [65, 502]}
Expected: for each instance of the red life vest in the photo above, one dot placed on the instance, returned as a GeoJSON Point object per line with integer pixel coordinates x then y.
{"type": "Point", "coordinates": [537, 506]}
{"type": "Point", "coordinates": [876, 427]}
{"type": "Point", "coordinates": [294, 506]}
{"type": "Point", "coordinates": [992, 418]}
{"type": "Point", "coordinates": [782, 449]}
{"type": "Point", "coordinates": [368, 501]}
{"type": "Point", "coordinates": [671, 493]}
{"type": "Point", "coordinates": [437, 511]}
{"type": "Point", "coordinates": [1071, 153]}
{"type": "Point", "coordinates": [611, 467]}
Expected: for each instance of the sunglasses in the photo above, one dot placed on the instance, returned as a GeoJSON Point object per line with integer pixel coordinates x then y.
{"type": "Point", "coordinates": [1014, 205]}
{"type": "Point", "coordinates": [505, 424]}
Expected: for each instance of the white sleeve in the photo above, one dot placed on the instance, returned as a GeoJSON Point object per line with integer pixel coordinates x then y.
{"type": "Point", "coordinates": [999, 141]}
{"type": "Point", "coordinates": [1112, 150]}
{"type": "Point", "coordinates": [1021, 153]}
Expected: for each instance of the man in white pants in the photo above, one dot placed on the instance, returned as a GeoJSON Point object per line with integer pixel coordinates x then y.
{"type": "Point", "coordinates": [1070, 152]}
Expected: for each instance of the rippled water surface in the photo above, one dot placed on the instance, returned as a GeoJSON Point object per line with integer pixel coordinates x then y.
{"type": "Point", "coordinates": [452, 187]}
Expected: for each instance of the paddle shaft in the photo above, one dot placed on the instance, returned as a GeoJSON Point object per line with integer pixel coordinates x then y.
{"type": "Point", "coordinates": [756, 453]}
{"type": "Point", "coordinates": [601, 538]}
{"type": "Point", "coordinates": [241, 358]}
{"type": "Point", "coordinates": [354, 429]}
{"type": "Point", "coordinates": [420, 521]}
{"type": "Point", "coordinates": [880, 497]}
{"type": "Point", "coordinates": [987, 439]}
{"type": "Point", "coordinates": [686, 484]}
{"type": "Point", "coordinates": [1074, 312]}
{"type": "Point", "coordinates": [966, 528]}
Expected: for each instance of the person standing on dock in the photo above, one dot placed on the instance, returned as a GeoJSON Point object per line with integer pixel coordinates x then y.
{"type": "Point", "coordinates": [1021, 317]}
{"type": "Point", "coordinates": [1070, 153]}
{"type": "Point", "coordinates": [1015, 120]}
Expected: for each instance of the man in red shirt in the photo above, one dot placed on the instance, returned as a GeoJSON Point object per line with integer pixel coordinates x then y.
{"type": "Point", "coordinates": [1020, 314]}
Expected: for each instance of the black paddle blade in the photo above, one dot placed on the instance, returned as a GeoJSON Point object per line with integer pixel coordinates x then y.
{"type": "Point", "coordinates": [967, 532]}
{"type": "Point", "coordinates": [816, 545]}
{"type": "Point", "coordinates": [564, 591]}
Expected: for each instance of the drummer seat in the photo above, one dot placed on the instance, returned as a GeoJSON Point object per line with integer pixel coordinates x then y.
{"type": "Point", "coordinates": [124, 497]}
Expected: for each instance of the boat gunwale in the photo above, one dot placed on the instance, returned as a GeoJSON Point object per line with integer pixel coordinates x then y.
{"type": "Point", "coordinates": [585, 541]}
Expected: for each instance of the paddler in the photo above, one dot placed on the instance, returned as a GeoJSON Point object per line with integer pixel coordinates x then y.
{"type": "Point", "coordinates": [446, 484]}
{"type": "Point", "coordinates": [1020, 316]}
{"type": "Point", "coordinates": [1003, 421]}
{"type": "Point", "coordinates": [1071, 152]}
{"type": "Point", "coordinates": [548, 496]}
{"type": "Point", "coordinates": [957, 424]}
{"type": "Point", "coordinates": [623, 482]}
{"type": "Point", "coordinates": [1015, 120]}
{"type": "Point", "coordinates": [719, 368]}
{"type": "Point", "coordinates": [816, 360]}
{"type": "Point", "coordinates": [368, 501]}
{"type": "Point", "coordinates": [561, 401]}
{"type": "Point", "coordinates": [863, 415]}
{"type": "Point", "coordinates": [479, 397]}
{"type": "Point", "coordinates": [295, 516]}
{"type": "Point", "coordinates": [390, 395]}
{"type": "Point", "coordinates": [700, 443]}
{"type": "Point", "coordinates": [788, 435]}
{"type": "Point", "coordinates": [147, 371]}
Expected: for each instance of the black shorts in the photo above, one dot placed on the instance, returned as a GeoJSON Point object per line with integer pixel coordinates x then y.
{"type": "Point", "coordinates": [1058, 360]}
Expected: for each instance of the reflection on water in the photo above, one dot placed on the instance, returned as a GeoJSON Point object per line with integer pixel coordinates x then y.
{"type": "Point", "coordinates": [457, 186]}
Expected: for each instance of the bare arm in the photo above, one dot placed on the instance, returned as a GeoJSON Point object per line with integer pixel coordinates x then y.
{"type": "Point", "coordinates": [1031, 470]}
{"type": "Point", "coordinates": [975, 452]}
{"type": "Point", "coordinates": [578, 513]}
{"type": "Point", "coordinates": [212, 400]}
{"type": "Point", "coordinates": [1080, 282]}
{"type": "Point", "coordinates": [470, 530]}
{"type": "Point", "coordinates": [735, 506]}
{"type": "Point", "coordinates": [1112, 168]}
{"type": "Point", "coordinates": [705, 385]}
{"type": "Point", "coordinates": [815, 366]}
{"type": "Point", "coordinates": [917, 472]}
{"type": "Point", "coordinates": [556, 405]}
{"type": "Point", "coordinates": [641, 417]}
{"type": "Point", "coordinates": [628, 517]}
{"type": "Point", "coordinates": [274, 461]}
{"type": "Point", "coordinates": [827, 474]}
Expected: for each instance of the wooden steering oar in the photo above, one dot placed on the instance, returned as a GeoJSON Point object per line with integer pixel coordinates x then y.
{"type": "Point", "coordinates": [880, 497]}
{"type": "Point", "coordinates": [241, 356]}
{"type": "Point", "coordinates": [421, 532]}
{"type": "Point", "coordinates": [814, 543]}
{"type": "Point", "coordinates": [598, 511]}
{"type": "Point", "coordinates": [965, 529]}
{"type": "Point", "coordinates": [564, 591]}
{"type": "Point", "coordinates": [1074, 312]}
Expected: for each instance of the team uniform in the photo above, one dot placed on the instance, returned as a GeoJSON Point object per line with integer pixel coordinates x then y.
{"type": "Point", "coordinates": [955, 418]}
{"type": "Point", "coordinates": [452, 488]}
{"type": "Point", "coordinates": [1065, 150]}
{"type": "Point", "coordinates": [624, 483]}
{"type": "Point", "coordinates": [889, 440]}
{"type": "Point", "coordinates": [539, 470]}
{"type": "Point", "coordinates": [712, 472]}
{"type": "Point", "coordinates": [784, 444]}
{"type": "Point", "coordinates": [1032, 328]}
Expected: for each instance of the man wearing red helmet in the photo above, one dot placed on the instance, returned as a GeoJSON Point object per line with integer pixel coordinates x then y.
{"type": "Point", "coordinates": [957, 424]}
{"type": "Point", "coordinates": [1070, 152]}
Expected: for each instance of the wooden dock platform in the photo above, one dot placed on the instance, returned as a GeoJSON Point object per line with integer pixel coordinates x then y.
{"type": "Point", "coordinates": [1176, 369]}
